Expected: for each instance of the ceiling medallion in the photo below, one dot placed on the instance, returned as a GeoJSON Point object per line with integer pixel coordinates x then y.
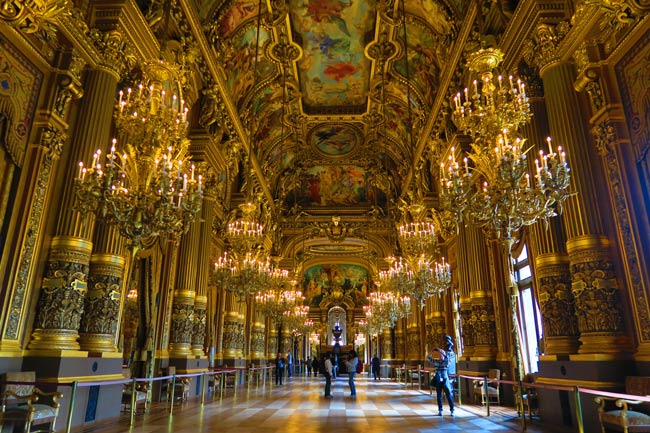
{"type": "Point", "coordinates": [334, 140]}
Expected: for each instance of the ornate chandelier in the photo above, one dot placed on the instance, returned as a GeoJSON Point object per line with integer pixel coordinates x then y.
{"type": "Point", "coordinates": [497, 192]}
{"type": "Point", "coordinates": [419, 277]}
{"type": "Point", "coordinates": [276, 301]}
{"type": "Point", "coordinates": [491, 105]}
{"type": "Point", "coordinates": [242, 274]}
{"type": "Point", "coordinates": [245, 232]}
{"type": "Point", "coordinates": [148, 189]}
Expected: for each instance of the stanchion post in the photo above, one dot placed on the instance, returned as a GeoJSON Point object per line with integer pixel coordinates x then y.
{"type": "Point", "coordinates": [520, 406]}
{"type": "Point", "coordinates": [485, 397]}
{"type": "Point", "coordinates": [460, 391]}
{"type": "Point", "coordinates": [171, 406]}
{"type": "Point", "coordinates": [203, 386]}
{"type": "Point", "coordinates": [73, 395]}
{"type": "Point", "coordinates": [134, 385]}
{"type": "Point", "coordinates": [576, 396]}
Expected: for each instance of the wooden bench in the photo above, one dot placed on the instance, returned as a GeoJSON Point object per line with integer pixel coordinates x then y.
{"type": "Point", "coordinates": [26, 405]}
{"type": "Point", "coordinates": [633, 416]}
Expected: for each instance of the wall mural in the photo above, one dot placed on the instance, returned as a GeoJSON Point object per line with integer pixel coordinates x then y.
{"type": "Point", "coordinates": [336, 281]}
{"type": "Point", "coordinates": [334, 185]}
{"type": "Point", "coordinates": [333, 69]}
{"type": "Point", "coordinates": [333, 140]}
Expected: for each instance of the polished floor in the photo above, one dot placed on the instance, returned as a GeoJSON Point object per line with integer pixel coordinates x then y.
{"type": "Point", "coordinates": [298, 406]}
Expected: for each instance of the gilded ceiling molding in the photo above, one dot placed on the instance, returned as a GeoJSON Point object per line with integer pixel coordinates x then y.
{"type": "Point", "coordinates": [32, 16]}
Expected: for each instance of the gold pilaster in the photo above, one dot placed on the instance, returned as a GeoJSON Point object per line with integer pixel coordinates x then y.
{"type": "Point", "coordinates": [100, 320]}
{"type": "Point", "coordinates": [386, 345]}
{"type": "Point", "coordinates": [257, 341]}
{"type": "Point", "coordinates": [557, 304]}
{"type": "Point", "coordinates": [181, 324]}
{"type": "Point", "coordinates": [598, 304]}
{"type": "Point", "coordinates": [482, 317]}
{"type": "Point", "coordinates": [465, 288]}
{"type": "Point", "coordinates": [233, 335]}
{"type": "Point", "coordinates": [199, 325]}
{"type": "Point", "coordinates": [413, 352]}
{"type": "Point", "coordinates": [400, 342]}
{"type": "Point", "coordinates": [286, 340]}
{"type": "Point", "coordinates": [272, 343]}
{"type": "Point", "coordinates": [60, 302]}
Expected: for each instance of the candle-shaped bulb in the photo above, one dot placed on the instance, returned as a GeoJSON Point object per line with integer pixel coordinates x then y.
{"type": "Point", "coordinates": [550, 147]}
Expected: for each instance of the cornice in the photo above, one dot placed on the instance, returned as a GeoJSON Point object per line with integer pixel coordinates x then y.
{"type": "Point", "coordinates": [126, 16]}
{"type": "Point", "coordinates": [524, 21]}
{"type": "Point", "coordinates": [219, 77]}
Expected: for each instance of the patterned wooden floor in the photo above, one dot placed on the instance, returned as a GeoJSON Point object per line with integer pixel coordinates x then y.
{"type": "Point", "coordinates": [298, 406]}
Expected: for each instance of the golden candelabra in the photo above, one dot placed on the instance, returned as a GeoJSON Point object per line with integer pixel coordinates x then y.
{"type": "Point", "coordinates": [386, 308]}
{"type": "Point", "coordinates": [242, 274]}
{"type": "Point", "coordinates": [149, 188]}
{"type": "Point", "coordinates": [274, 302]}
{"type": "Point", "coordinates": [496, 190]}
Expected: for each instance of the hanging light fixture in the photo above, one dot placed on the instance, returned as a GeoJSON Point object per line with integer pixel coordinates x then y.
{"type": "Point", "coordinates": [417, 274]}
{"type": "Point", "coordinates": [148, 188]}
{"type": "Point", "coordinates": [496, 190]}
{"type": "Point", "coordinates": [245, 269]}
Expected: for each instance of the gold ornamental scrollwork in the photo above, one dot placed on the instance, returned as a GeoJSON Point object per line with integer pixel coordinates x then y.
{"type": "Point", "coordinates": [31, 16]}
{"type": "Point", "coordinates": [118, 56]}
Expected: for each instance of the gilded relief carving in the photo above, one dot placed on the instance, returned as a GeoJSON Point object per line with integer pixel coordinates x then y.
{"type": "Point", "coordinates": [483, 324]}
{"type": "Point", "coordinates": [557, 306]}
{"type": "Point", "coordinates": [101, 303]}
{"type": "Point", "coordinates": [198, 327]}
{"type": "Point", "coordinates": [35, 15]}
{"type": "Point", "coordinates": [233, 335]}
{"type": "Point", "coordinates": [598, 305]}
{"type": "Point", "coordinates": [257, 340]}
{"type": "Point", "coordinates": [399, 345]}
{"type": "Point", "coordinates": [541, 50]}
{"type": "Point", "coordinates": [182, 323]}
{"type": "Point", "coordinates": [413, 343]}
{"type": "Point", "coordinates": [605, 138]}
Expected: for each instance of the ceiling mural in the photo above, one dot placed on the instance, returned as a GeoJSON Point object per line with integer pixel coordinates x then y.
{"type": "Point", "coordinates": [342, 283]}
{"type": "Point", "coordinates": [334, 140]}
{"type": "Point", "coordinates": [238, 12]}
{"type": "Point", "coordinates": [334, 185]}
{"type": "Point", "coordinates": [333, 69]}
{"type": "Point", "coordinates": [241, 64]}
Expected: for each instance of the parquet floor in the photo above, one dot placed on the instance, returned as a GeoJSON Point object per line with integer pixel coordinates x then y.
{"type": "Point", "coordinates": [298, 406]}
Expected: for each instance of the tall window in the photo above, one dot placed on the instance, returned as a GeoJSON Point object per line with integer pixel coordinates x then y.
{"type": "Point", "coordinates": [530, 320]}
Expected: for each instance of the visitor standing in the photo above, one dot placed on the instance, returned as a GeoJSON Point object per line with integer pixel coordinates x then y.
{"type": "Point", "coordinates": [279, 369]}
{"type": "Point", "coordinates": [328, 374]}
{"type": "Point", "coordinates": [351, 366]}
{"type": "Point", "coordinates": [441, 379]}
{"type": "Point", "coordinates": [375, 363]}
{"type": "Point", "coordinates": [290, 364]}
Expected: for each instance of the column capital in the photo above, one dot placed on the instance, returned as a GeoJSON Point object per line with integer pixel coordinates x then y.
{"type": "Point", "coordinates": [541, 50]}
{"type": "Point", "coordinates": [118, 57]}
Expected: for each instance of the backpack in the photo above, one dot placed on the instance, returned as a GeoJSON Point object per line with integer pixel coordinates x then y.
{"type": "Point", "coordinates": [359, 367]}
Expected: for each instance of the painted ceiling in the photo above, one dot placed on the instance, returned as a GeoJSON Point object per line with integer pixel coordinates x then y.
{"type": "Point", "coordinates": [336, 95]}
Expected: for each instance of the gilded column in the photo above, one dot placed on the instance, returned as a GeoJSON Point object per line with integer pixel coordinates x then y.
{"type": "Point", "coordinates": [482, 316]}
{"type": "Point", "coordinates": [258, 341]}
{"type": "Point", "coordinates": [400, 341]}
{"type": "Point", "coordinates": [548, 248]}
{"type": "Point", "coordinates": [203, 265]}
{"type": "Point", "coordinates": [462, 276]}
{"type": "Point", "coordinates": [61, 301]}
{"type": "Point", "coordinates": [182, 323]}
{"type": "Point", "coordinates": [436, 328]}
{"type": "Point", "coordinates": [286, 340]}
{"type": "Point", "coordinates": [386, 345]}
{"type": "Point", "coordinates": [594, 282]}
{"type": "Point", "coordinates": [272, 342]}
{"type": "Point", "coordinates": [233, 329]}
{"type": "Point", "coordinates": [413, 340]}
{"type": "Point", "coordinates": [100, 322]}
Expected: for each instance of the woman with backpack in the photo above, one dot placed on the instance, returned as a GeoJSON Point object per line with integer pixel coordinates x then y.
{"type": "Point", "coordinates": [279, 369]}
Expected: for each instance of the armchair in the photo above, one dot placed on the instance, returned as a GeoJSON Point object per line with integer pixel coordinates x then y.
{"type": "Point", "coordinates": [633, 416]}
{"type": "Point", "coordinates": [181, 386]}
{"type": "Point", "coordinates": [27, 405]}
{"type": "Point", "coordinates": [141, 393]}
{"type": "Point", "coordinates": [491, 392]}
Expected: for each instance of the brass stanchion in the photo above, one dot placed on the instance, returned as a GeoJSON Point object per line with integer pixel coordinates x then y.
{"type": "Point", "coordinates": [73, 395]}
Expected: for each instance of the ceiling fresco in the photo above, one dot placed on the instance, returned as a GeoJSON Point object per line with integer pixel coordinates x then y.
{"type": "Point", "coordinates": [334, 140]}
{"type": "Point", "coordinates": [333, 69]}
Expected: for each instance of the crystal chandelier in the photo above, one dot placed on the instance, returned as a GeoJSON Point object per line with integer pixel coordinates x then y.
{"type": "Point", "coordinates": [245, 232]}
{"type": "Point", "coordinates": [386, 308]}
{"type": "Point", "coordinates": [491, 105]}
{"type": "Point", "coordinates": [419, 277]}
{"type": "Point", "coordinates": [242, 274]}
{"type": "Point", "coordinates": [148, 189]}
{"type": "Point", "coordinates": [497, 191]}
{"type": "Point", "coordinates": [276, 301]}
{"type": "Point", "coordinates": [416, 232]}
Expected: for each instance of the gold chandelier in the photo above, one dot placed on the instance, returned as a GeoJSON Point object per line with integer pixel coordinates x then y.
{"type": "Point", "coordinates": [148, 189]}
{"type": "Point", "coordinates": [278, 303]}
{"type": "Point", "coordinates": [497, 191]}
